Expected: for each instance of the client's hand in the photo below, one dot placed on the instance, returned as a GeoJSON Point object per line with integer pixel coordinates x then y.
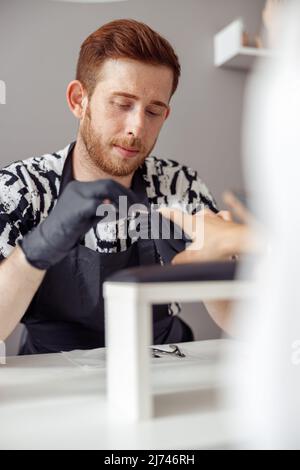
{"type": "Point", "coordinates": [271, 18]}
{"type": "Point", "coordinates": [214, 236]}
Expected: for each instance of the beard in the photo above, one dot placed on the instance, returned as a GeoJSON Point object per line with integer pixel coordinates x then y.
{"type": "Point", "coordinates": [100, 152]}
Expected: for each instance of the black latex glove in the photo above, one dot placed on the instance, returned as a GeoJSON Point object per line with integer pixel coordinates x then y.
{"type": "Point", "coordinates": [72, 217]}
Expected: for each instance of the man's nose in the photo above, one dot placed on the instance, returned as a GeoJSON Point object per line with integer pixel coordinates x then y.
{"type": "Point", "coordinates": [136, 124]}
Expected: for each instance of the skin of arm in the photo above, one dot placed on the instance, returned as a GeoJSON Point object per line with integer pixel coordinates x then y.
{"type": "Point", "coordinates": [220, 239]}
{"type": "Point", "coordinates": [19, 282]}
{"type": "Point", "coordinates": [215, 237]}
{"type": "Point", "coordinates": [271, 18]}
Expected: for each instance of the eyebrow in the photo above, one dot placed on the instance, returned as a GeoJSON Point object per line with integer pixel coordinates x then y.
{"type": "Point", "coordinates": [129, 95]}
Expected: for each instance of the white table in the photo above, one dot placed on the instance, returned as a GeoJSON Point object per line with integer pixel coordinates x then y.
{"type": "Point", "coordinates": [47, 401]}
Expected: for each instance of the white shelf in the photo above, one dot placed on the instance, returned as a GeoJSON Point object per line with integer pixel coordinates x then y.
{"type": "Point", "coordinates": [229, 49]}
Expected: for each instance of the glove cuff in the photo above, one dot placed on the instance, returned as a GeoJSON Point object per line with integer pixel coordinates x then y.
{"type": "Point", "coordinates": [38, 252]}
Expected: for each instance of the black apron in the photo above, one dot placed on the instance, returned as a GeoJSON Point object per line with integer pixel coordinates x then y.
{"type": "Point", "coordinates": [67, 311]}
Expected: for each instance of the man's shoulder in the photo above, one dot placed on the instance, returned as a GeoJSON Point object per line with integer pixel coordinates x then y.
{"type": "Point", "coordinates": [172, 182]}
{"type": "Point", "coordinates": [42, 166]}
{"type": "Point", "coordinates": [29, 188]}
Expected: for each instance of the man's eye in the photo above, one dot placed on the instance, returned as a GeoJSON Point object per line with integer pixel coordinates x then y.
{"type": "Point", "coordinates": [152, 113]}
{"type": "Point", "coordinates": [123, 105]}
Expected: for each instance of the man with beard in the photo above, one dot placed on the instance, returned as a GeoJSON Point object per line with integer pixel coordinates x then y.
{"type": "Point", "coordinates": [55, 252]}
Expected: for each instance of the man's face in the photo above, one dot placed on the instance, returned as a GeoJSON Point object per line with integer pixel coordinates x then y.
{"type": "Point", "coordinates": [125, 114]}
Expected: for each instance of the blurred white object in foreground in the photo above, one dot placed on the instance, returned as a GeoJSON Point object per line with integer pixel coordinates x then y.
{"type": "Point", "coordinates": [268, 376]}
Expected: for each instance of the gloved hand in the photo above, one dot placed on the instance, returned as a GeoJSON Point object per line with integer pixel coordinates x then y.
{"type": "Point", "coordinates": [72, 217]}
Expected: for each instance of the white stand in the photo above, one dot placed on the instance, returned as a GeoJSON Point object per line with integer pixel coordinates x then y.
{"type": "Point", "coordinates": [128, 336]}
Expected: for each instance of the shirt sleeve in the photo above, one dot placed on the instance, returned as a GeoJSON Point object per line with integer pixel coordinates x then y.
{"type": "Point", "coordinates": [199, 195]}
{"type": "Point", "coordinates": [187, 191]}
{"type": "Point", "coordinates": [16, 214]}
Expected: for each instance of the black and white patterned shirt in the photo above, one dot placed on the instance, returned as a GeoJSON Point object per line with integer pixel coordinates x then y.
{"type": "Point", "coordinates": [29, 190]}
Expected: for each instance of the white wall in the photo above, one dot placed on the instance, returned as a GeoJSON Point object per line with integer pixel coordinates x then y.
{"type": "Point", "coordinates": [39, 45]}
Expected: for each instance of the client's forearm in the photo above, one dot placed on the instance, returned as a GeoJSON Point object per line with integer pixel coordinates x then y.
{"type": "Point", "coordinates": [220, 312]}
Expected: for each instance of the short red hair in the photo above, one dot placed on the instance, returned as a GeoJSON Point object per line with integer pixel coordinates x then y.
{"type": "Point", "coordinates": [124, 38]}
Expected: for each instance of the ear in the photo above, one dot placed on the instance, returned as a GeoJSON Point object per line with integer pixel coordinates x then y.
{"type": "Point", "coordinates": [77, 99]}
